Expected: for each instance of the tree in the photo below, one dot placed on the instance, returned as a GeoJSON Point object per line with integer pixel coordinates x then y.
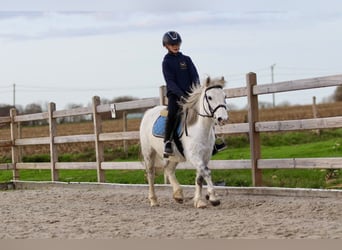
{"type": "Point", "coordinates": [119, 114]}
{"type": "Point", "coordinates": [5, 109]}
{"type": "Point", "coordinates": [338, 94]}
{"type": "Point", "coordinates": [75, 118]}
{"type": "Point", "coordinates": [33, 108]}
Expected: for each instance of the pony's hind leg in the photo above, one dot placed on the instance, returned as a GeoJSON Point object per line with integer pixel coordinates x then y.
{"type": "Point", "coordinates": [169, 170]}
{"type": "Point", "coordinates": [150, 171]}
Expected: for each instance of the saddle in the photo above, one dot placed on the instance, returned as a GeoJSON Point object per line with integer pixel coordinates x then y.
{"type": "Point", "coordinates": [158, 130]}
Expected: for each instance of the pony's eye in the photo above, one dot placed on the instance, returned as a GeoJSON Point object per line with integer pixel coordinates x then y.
{"type": "Point", "coordinates": [210, 98]}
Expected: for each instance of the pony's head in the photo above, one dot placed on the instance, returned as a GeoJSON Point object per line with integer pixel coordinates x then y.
{"type": "Point", "coordinates": [212, 101]}
{"type": "Point", "coordinates": [215, 99]}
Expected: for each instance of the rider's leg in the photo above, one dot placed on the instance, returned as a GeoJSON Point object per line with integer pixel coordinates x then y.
{"type": "Point", "coordinates": [170, 125]}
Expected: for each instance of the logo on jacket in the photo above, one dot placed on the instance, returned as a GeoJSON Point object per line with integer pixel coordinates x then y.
{"type": "Point", "coordinates": [183, 65]}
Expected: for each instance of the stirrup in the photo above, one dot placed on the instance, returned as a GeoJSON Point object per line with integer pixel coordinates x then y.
{"type": "Point", "coordinates": [168, 149]}
{"type": "Point", "coordinates": [220, 147]}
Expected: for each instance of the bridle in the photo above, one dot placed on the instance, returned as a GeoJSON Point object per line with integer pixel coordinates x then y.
{"type": "Point", "coordinates": [211, 112]}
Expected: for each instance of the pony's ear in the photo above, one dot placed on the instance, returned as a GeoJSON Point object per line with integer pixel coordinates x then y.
{"type": "Point", "coordinates": [207, 81]}
{"type": "Point", "coordinates": [223, 81]}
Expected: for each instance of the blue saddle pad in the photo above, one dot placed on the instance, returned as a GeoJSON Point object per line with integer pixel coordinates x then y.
{"type": "Point", "coordinates": [158, 129]}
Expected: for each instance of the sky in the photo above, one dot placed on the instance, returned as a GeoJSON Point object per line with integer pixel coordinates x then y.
{"type": "Point", "coordinates": [68, 51]}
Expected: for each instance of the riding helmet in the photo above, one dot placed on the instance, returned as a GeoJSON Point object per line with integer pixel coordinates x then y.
{"type": "Point", "coordinates": [171, 38]}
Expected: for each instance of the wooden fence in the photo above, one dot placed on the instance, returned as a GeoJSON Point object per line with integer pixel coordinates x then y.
{"type": "Point", "coordinates": [254, 127]}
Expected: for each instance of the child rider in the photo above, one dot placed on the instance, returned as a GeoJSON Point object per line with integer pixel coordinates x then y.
{"type": "Point", "coordinates": [180, 75]}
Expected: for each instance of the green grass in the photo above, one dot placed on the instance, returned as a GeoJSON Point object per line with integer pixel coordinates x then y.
{"type": "Point", "coordinates": [303, 178]}
{"type": "Point", "coordinates": [329, 148]}
{"type": "Point", "coordinates": [280, 145]}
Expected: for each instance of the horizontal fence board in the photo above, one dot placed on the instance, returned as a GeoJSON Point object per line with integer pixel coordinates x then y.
{"type": "Point", "coordinates": [234, 128]}
{"type": "Point", "coordinates": [310, 163]}
{"type": "Point", "coordinates": [31, 117]}
{"type": "Point", "coordinates": [74, 138]}
{"type": "Point", "coordinates": [310, 83]}
{"type": "Point", "coordinates": [5, 119]}
{"type": "Point", "coordinates": [135, 165]}
{"type": "Point", "coordinates": [6, 166]}
{"type": "Point", "coordinates": [132, 165]}
{"type": "Point", "coordinates": [32, 141]}
{"type": "Point", "coordinates": [318, 123]}
{"type": "Point", "coordinates": [236, 92]}
{"type": "Point", "coordinates": [214, 164]}
{"type": "Point", "coordinates": [33, 165]}
{"type": "Point", "coordinates": [75, 165]}
{"type": "Point", "coordinates": [230, 164]}
{"type": "Point", "coordinates": [300, 163]}
{"type": "Point", "coordinates": [5, 143]}
{"type": "Point", "coordinates": [72, 112]}
{"type": "Point", "coordinates": [115, 136]}
{"type": "Point", "coordinates": [137, 104]}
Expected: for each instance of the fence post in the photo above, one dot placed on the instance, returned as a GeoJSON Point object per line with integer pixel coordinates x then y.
{"type": "Point", "coordinates": [162, 95]}
{"type": "Point", "coordinates": [53, 147]}
{"type": "Point", "coordinates": [254, 137]}
{"type": "Point", "coordinates": [124, 122]}
{"type": "Point", "coordinates": [20, 149]}
{"type": "Point", "coordinates": [14, 148]}
{"type": "Point", "coordinates": [98, 144]}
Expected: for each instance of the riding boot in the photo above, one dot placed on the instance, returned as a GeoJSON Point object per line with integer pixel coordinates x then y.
{"type": "Point", "coordinates": [219, 146]}
{"type": "Point", "coordinates": [167, 138]}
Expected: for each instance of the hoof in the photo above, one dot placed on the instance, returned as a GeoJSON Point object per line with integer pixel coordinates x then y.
{"type": "Point", "coordinates": [178, 196]}
{"type": "Point", "coordinates": [215, 203]}
{"type": "Point", "coordinates": [154, 203]}
{"type": "Point", "coordinates": [200, 204]}
{"type": "Point", "coordinates": [180, 201]}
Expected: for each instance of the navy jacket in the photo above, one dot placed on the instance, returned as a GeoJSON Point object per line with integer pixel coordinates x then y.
{"type": "Point", "coordinates": [179, 73]}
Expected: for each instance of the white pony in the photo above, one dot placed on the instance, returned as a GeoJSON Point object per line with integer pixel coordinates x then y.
{"type": "Point", "coordinates": [204, 107]}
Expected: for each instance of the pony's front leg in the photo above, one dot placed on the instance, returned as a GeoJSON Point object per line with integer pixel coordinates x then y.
{"type": "Point", "coordinates": [211, 196]}
{"type": "Point", "coordinates": [198, 202]}
{"type": "Point", "coordinates": [204, 173]}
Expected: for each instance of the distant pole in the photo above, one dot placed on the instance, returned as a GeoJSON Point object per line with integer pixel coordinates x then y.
{"type": "Point", "coordinates": [315, 113]}
{"type": "Point", "coordinates": [272, 77]}
{"type": "Point", "coordinates": [14, 95]}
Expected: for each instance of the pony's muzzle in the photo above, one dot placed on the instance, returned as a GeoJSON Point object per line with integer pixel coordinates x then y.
{"type": "Point", "coordinates": [221, 115]}
{"type": "Point", "coordinates": [221, 121]}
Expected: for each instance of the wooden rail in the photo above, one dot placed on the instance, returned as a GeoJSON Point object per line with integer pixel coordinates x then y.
{"type": "Point", "coordinates": [254, 127]}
